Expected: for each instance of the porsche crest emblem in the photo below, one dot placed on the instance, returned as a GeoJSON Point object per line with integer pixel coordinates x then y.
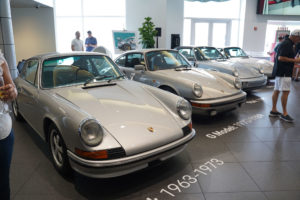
{"type": "Point", "coordinates": [150, 129]}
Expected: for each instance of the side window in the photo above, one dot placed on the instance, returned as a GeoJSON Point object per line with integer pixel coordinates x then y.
{"type": "Point", "coordinates": [121, 61]}
{"type": "Point", "coordinates": [30, 71]}
{"type": "Point", "coordinates": [134, 59]}
{"type": "Point", "coordinates": [188, 53]}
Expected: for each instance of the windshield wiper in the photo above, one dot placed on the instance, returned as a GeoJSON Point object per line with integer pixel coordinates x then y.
{"type": "Point", "coordinates": [118, 77]}
{"type": "Point", "coordinates": [187, 67]}
{"type": "Point", "coordinates": [96, 78]}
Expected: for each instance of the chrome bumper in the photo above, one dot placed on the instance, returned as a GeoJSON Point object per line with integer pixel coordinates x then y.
{"type": "Point", "coordinates": [122, 166]}
{"type": "Point", "coordinates": [253, 83]}
{"type": "Point", "coordinates": [219, 105]}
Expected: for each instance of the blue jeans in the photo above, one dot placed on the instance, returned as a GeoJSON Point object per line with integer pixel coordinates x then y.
{"type": "Point", "coordinates": [6, 149]}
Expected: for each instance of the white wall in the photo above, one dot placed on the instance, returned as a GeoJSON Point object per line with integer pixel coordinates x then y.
{"type": "Point", "coordinates": [167, 14]}
{"type": "Point", "coordinates": [33, 31]}
{"type": "Point", "coordinates": [254, 41]}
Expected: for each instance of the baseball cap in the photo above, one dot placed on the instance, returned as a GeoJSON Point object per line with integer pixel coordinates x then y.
{"type": "Point", "coordinates": [296, 32]}
{"type": "Point", "coordinates": [89, 32]}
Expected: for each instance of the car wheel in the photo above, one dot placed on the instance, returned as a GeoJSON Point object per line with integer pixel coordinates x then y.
{"type": "Point", "coordinates": [58, 151]}
{"type": "Point", "coordinates": [15, 109]}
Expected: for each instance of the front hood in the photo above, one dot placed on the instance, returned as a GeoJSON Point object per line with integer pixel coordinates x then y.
{"type": "Point", "coordinates": [266, 65]}
{"type": "Point", "coordinates": [244, 70]}
{"type": "Point", "coordinates": [213, 86]}
{"type": "Point", "coordinates": [126, 110]}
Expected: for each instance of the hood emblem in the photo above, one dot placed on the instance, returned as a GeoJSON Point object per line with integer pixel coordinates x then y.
{"type": "Point", "coordinates": [150, 129]}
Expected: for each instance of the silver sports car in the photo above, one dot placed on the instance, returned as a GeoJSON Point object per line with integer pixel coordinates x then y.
{"type": "Point", "coordinates": [238, 55]}
{"type": "Point", "coordinates": [210, 58]}
{"type": "Point", "coordinates": [208, 91]}
{"type": "Point", "coordinates": [95, 120]}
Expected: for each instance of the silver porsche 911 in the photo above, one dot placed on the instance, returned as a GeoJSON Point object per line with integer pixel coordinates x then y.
{"type": "Point", "coordinates": [209, 92]}
{"type": "Point", "coordinates": [210, 58]}
{"type": "Point", "coordinates": [95, 120]}
{"type": "Point", "coordinates": [238, 55]}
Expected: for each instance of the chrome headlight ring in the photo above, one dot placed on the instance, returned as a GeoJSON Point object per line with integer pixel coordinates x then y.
{"type": "Point", "coordinates": [91, 132]}
{"type": "Point", "coordinates": [197, 90]}
{"type": "Point", "coordinates": [237, 83]}
{"type": "Point", "coordinates": [184, 109]}
{"type": "Point", "coordinates": [235, 73]}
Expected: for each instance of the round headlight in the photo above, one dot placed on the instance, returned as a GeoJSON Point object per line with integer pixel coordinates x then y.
{"type": "Point", "coordinates": [235, 73]}
{"type": "Point", "coordinates": [91, 132]}
{"type": "Point", "coordinates": [197, 90]}
{"type": "Point", "coordinates": [184, 109]}
{"type": "Point", "coordinates": [237, 83]}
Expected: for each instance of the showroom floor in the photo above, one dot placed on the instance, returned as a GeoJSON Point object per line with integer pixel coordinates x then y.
{"type": "Point", "coordinates": [241, 155]}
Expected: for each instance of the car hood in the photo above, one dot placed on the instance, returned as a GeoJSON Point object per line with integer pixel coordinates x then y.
{"type": "Point", "coordinates": [127, 111]}
{"type": "Point", "coordinates": [244, 70]}
{"type": "Point", "coordinates": [213, 86]}
{"type": "Point", "coordinates": [266, 65]}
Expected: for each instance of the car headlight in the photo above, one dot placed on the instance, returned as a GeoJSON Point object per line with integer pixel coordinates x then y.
{"type": "Point", "coordinates": [184, 109]}
{"type": "Point", "coordinates": [261, 70]}
{"type": "Point", "coordinates": [237, 83]}
{"type": "Point", "coordinates": [197, 90]}
{"type": "Point", "coordinates": [235, 73]}
{"type": "Point", "coordinates": [91, 132]}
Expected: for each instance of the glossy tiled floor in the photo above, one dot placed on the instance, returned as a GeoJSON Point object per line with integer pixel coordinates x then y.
{"type": "Point", "coordinates": [261, 161]}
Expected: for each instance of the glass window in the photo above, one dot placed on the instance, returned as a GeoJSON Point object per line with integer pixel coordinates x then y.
{"type": "Point", "coordinates": [68, 7]}
{"type": "Point", "coordinates": [162, 60]}
{"type": "Point", "coordinates": [29, 71]}
{"type": "Point", "coordinates": [121, 61]}
{"type": "Point", "coordinates": [212, 9]}
{"type": "Point", "coordinates": [72, 70]}
{"type": "Point", "coordinates": [201, 34]}
{"type": "Point", "coordinates": [211, 53]}
{"type": "Point", "coordinates": [219, 34]}
{"type": "Point", "coordinates": [101, 8]}
{"type": "Point", "coordinates": [134, 59]}
{"type": "Point", "coordinates": [188, 53]}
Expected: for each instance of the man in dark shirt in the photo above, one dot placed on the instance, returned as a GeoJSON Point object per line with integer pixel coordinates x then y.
{"type": "Point", "coordinates": [283, 70]}
{"type": "Point", "coordinates": [90, 42]}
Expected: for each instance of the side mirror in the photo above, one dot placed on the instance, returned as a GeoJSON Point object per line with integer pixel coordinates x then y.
{"type": "Point", "coordinates": [139, 67]}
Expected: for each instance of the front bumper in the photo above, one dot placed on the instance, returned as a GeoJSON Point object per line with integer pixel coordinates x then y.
{"type": "Point", "coordinates": [253, 83]}
{"type": "Point", "coordinates": [126, 165]}
{"type": "Point", "coordinates": [214, 106]}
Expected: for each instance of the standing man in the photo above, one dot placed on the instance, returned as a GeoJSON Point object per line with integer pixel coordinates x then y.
{"type": "Point", "coordinates": [283, 70]}
{"type": "Point", "coordinates": [77, 43]}
{"type": "Point", "coordinates": [90, 42]}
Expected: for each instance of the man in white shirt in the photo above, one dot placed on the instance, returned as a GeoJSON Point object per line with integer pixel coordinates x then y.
{"type": "Point", "coordinates": [77, 43]}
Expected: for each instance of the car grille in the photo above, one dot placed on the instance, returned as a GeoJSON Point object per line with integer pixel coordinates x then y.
{"type": "Point", "coordinates": [116, 153]}
{"type": "Point", "coordinates": [186, 130]}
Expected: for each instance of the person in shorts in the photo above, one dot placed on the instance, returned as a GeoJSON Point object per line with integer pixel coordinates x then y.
{"type": "Point", "coordinates": [283, 71]}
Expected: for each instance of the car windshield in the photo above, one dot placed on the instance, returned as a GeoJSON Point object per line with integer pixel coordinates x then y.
{"type": "Point", "coordinates": [75, 70]}
{"type": "Point", "coordinates": [161, 60]}
{"type": "Point", "coordinates": [210, 53]}
{"type": "Point", "coordinates": [235, 52]}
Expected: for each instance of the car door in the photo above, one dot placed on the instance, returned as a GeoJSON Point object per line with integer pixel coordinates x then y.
{"type": "Point", "coordinates": [127, 63]}
{"type": "Point", "coordinates": [28, 92]}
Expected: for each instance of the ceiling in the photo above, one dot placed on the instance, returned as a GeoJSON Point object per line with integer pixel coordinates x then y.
{"type": "Point", "coordinates": [26, 4]}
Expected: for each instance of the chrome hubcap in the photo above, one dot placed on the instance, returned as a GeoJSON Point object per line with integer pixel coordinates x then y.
{"type": "Point", "coordinates": [56, 148]}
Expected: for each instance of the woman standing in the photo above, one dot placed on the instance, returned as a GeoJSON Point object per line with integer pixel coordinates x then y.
{"type": "Point", "coordinates": [8, 92]}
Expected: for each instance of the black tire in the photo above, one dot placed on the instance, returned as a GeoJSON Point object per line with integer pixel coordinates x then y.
{"type": "Point", "coordinates": [58, 151]}
{"type": "Point", "coordinates": [15, 110]}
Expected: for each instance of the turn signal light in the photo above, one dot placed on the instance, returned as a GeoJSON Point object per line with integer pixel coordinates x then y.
{"type": "Point", "coordinates": [190, 125]}
{"type": "Point", "coordinates": [200, 105]}
{"type": "Point", "coordinates": [96, 155]}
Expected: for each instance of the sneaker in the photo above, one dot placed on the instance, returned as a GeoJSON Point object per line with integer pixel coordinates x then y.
{"type": "Point", "coordinates": [274, 114]}
{"type": "Point", "coordinates": [286, 118]}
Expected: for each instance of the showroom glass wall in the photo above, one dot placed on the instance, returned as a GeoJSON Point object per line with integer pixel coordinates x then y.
{"type": "Point", "coordinates": [212, 23]}
{"type": "Point", "coordinates": [99, 16]}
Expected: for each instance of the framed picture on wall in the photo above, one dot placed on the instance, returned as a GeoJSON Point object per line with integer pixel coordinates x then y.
{"type": "Point", "coordinates": [124, 41]}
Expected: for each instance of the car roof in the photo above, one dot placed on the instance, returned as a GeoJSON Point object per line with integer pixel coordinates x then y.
{"type": "Point", "coordinates": [57, 54]}
{"type": "Point", "coordinates": [149, 50]}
